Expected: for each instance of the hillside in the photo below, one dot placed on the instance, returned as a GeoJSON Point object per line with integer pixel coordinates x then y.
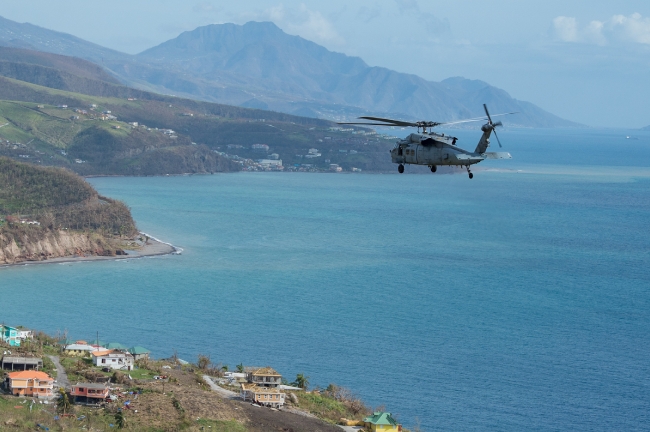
{"type": "Point", "coordinates": [49, 213]}
{"type": "Point", "coordinates": [38, 128]}
{"type": "Point", "coordinates": [647, 128]}
{"type": "Point", "coordinates": [257, 65]}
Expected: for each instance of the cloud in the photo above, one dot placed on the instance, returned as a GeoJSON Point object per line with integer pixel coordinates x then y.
{"type": "Point", "coordinates": [618, 29]}
{"type": "Point", "coordinates": [302, 21]}
{"type": "Point", "coordinates": [634, 28]}
{"type": "Point", "coordinates": [434, 26]}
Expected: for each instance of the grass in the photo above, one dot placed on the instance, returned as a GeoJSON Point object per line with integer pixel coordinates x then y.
{"type": "Point", "coordinates": [322, 406]}
{"type": "Point", "coordinates": [221, 425]}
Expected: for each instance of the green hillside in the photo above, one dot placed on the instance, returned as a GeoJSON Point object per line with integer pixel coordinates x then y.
{"type": "Point", "coordinates": [47, 134]}
{"type": "Point", "coordinates": [90, 142]}
{"type": "Point", "coordinates": [56, 198]}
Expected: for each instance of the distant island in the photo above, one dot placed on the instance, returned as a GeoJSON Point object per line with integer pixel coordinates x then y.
{"type": "Point", "coordinates": [51, 214]}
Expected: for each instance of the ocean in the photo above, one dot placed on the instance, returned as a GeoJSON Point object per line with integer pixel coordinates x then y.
{"type": "Point", "coordinates": [519, 300]}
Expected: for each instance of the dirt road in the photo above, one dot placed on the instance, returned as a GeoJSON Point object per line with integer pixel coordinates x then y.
{"type": "Point", "coordinates": [61, 376]}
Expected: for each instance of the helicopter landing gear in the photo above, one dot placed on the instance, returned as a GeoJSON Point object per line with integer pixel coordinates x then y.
{"type": "Point", "coordinates": [471, 176]}
{"type": "Point", "coordinates": [433, 168]}
{"type": "Point", "coordinates": [400, 168]}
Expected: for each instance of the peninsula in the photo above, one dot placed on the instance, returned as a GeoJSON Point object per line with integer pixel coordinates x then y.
{"type": "Point", "coordinates": [53, 215]}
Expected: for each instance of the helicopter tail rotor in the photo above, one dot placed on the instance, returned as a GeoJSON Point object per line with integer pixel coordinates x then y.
{"type": "Point", "coordinates": [493, 125]}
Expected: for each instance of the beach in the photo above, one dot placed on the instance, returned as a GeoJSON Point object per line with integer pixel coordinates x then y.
{"type": "Point", "coordinates": [152, 247]}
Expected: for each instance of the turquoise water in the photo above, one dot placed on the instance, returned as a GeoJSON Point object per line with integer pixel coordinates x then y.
{"type": "Point", "coordinates": [517, 300]}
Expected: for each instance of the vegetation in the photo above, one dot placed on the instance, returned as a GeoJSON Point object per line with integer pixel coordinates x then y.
{"type": "Point", "coordinates": [141, 151]}
{"type": "Point", "coordinates": [301, 381]}
{"type": "Point", "coordinates": [58, 199]}
{"type": "Point", "coordinates": [333, 404]}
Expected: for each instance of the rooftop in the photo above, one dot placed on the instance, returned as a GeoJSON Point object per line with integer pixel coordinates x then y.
{"type": "Point", "coordinates": [92, 385]}
{"type": "Point", "coordinates": [24, 360]}
{"type": "Point", "coordinates": [256, 389]}
{"type": "Point", "coordinates": [138, 350]}
{"type": "Point", "coordinates": [381, 418]}
{"type": "Point", "coordinates": [266, 371]}
{"type": "Point", "coordinates": [30, 375]}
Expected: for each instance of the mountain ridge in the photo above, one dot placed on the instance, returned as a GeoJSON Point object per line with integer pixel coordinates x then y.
{"type": "Point", "coordinates": [258, 65]}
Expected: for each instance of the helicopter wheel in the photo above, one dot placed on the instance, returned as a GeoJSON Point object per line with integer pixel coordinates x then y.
{"type": "Point", "coordinates": [400, 168]}
{"type": "Point", "coordinates": [433, 168]}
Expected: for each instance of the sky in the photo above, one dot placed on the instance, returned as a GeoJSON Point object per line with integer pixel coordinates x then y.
{"type": "Point", "coordinates": [586, 61]}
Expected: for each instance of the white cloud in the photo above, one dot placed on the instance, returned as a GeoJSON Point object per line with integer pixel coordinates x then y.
{"type": "Point", "coordinates": [634, 28]}
{"type": "Point", "coordinates": [619, 28]}
{"type": "Point", "coordinates": [302, 21]}
{"type": "Point", "coordinates": [566, 29]}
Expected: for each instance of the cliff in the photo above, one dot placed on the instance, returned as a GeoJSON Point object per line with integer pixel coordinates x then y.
{"type": "Point", "coordinates": [48, 244]}
{"type": "Point", "coordinates": [52, 213]}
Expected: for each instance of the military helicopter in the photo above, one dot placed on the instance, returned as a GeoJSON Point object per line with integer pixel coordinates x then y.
{"type": "Point", "coordinates": [433, 149]}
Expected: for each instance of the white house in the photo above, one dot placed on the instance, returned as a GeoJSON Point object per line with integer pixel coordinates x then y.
{"type": "Point", "coordinates": [113, 359]}
{"type": "Point", "coordinates": [24, 333]}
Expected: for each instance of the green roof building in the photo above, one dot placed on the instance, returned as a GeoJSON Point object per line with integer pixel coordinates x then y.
{"type": "Point", "coordinates": [139, 352]}
{"type": "Point", "coordinates": [382, 421]}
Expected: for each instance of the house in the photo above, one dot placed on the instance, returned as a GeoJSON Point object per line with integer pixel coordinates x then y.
{"type": "Point", "coordinates": [260, 147]}
{"type": "Point", "coordinates": [263, 376]}
{"type": "Point", "coordinates": [139, 352]}
{"type": "Point", "coordinates": [30, 383]}
{"type": "Point", "coordinates": [24, 333]}
{"type": "Point", "coordinates": [267, 396]}
{"type": "Point", "coordinates": [113, 359]}
{"type": "Point", "coordinates": [79, 349]}
{"type": "Point", "coordinates": [89, 393]}
{"type": "Point", "coordinates": [263, 386]}
{"type": "Point", "coordinates": [382, 421]}
{"type": "Point", "coordinates": [21, 363]}
{"type": "Point", "coordinates": [9, 335]}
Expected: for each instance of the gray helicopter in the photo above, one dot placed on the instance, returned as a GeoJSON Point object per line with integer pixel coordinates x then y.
{"type": "Point", "coordinates": [434, 149]}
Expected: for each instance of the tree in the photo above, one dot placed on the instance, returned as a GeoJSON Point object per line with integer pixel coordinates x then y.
{"type": "Point", "coordinates": [240, 367]}
{"type": "Point", "coordinates": [204, 361]}
{"type": "Point", "coordinates": [224, 368]}
{"type": "Point", "coordinates": [64, 403]}
{"type": "Point", "coordinates": [120, 420]}
{"type": "Point", "coordinates": [301, 381]}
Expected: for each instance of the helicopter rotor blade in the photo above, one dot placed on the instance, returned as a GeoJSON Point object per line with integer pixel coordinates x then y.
{"type": "Point", "coordinates": [497, 136]}
{"type": "Point", "coordinates": [387, 120]}
{"type": "Point", "coordinates": [487, 113]}
{"type": "Point", "coordinates": [369, 124]}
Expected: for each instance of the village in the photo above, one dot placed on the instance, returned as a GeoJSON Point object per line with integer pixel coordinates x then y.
{"type": "Point", "coordinates": [51, 382]}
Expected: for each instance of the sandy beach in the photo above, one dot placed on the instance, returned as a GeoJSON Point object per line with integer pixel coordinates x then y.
{"type": "Point", "coordinates": [152, 247]}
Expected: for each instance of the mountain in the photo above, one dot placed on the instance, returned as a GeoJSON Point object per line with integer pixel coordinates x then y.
{"type": "Point", "coordinates": [257, 65]}
{"type": "Point", "coordinates": [647, 128]}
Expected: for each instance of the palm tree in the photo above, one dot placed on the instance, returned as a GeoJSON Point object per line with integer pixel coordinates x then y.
{"type": "Point", "coordinates": [240, 367]}
{"type": "Point", "coordinates": [301, 381]}
{"type": "Point", "coordinates": [64, 404]}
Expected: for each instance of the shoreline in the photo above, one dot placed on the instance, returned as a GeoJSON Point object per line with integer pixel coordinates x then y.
{"type": "Point", "coordinates": [153, 247]}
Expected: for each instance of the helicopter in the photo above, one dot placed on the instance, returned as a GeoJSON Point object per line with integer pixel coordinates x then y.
{"type": "Point", "coordinates": [433, 149]}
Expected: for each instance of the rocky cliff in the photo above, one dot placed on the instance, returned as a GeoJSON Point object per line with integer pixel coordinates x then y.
{"type": "Point", "coordinates": [50, 213]}
{"type": "Point", "coordinates": [23, 247]}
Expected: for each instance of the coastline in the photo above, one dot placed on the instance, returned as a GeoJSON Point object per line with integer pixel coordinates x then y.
{"type": "Point", "coordinates": [152, 247]}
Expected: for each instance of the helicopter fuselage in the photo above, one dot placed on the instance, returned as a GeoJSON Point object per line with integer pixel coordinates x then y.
{"type": "Point", "coordinates": [433, 149]}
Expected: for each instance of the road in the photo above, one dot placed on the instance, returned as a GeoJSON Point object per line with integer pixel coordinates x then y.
{"type": "Point", "coordinates": [61, 376]}
{"type": "Point", "coordinates": [222, 391]}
